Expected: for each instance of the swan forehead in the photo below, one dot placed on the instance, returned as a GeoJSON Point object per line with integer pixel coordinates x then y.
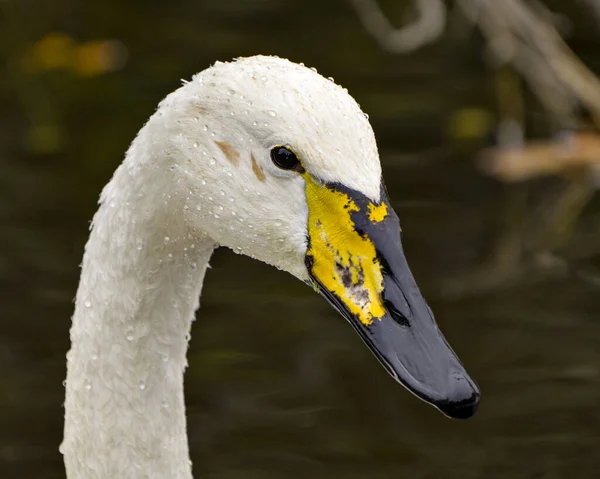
{"type": "Point", "coordinates": [280, 102]}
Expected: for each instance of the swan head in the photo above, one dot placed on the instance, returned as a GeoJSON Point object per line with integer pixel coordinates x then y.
{"type": "Point", "coordinates": [279, 163]}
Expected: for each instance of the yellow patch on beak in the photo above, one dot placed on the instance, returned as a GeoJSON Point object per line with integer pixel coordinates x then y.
{"type": "Point", "coordinates": [343, 261]}
{"type": "Point", "coordinates": [377, 213]}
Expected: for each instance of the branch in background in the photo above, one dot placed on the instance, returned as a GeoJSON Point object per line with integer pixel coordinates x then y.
{"type": "Point", "coordinates": [428, 27]}
{"type": "Point", "coordinates": [518, 33]}
{"type": "Point", "coordinates": [520, 36]}
{"type": "Point", "coordinates": [562, 156]}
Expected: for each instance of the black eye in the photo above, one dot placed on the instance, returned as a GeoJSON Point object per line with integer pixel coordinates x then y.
{"type": "Point", "coordinates": [285, 159]}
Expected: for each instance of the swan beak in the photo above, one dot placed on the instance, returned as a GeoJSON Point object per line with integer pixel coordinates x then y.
{"type": "Point", "coordinates": [355, 260]}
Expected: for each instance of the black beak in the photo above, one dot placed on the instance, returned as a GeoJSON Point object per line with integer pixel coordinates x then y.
{"type": "Point", "coordinates": [406, 339]}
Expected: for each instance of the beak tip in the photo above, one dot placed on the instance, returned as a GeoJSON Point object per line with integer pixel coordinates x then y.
{"type": "Point", "coordinates": [464, 402]}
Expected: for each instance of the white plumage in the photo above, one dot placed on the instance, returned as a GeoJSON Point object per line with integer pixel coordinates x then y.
{"type": "Point", "coordinates": [177, 195]}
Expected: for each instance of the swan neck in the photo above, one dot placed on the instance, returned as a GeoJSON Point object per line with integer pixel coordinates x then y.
{"type": "Point", "coordinates": [140, 283]}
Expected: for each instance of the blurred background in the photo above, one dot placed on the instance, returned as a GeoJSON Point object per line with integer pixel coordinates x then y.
{"type": "Point", "coordinates": [485, 113]}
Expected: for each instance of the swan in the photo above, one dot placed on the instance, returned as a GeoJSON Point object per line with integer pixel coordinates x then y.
{"type": "Point", "coordinates": [270, 159]}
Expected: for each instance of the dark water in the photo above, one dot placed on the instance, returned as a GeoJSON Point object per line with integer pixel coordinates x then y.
{"type": "Point", "coordinates": [278, 384]}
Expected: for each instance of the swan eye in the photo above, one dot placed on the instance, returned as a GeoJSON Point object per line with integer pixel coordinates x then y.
{"type": "Point", "coordinates": [285, 158]}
